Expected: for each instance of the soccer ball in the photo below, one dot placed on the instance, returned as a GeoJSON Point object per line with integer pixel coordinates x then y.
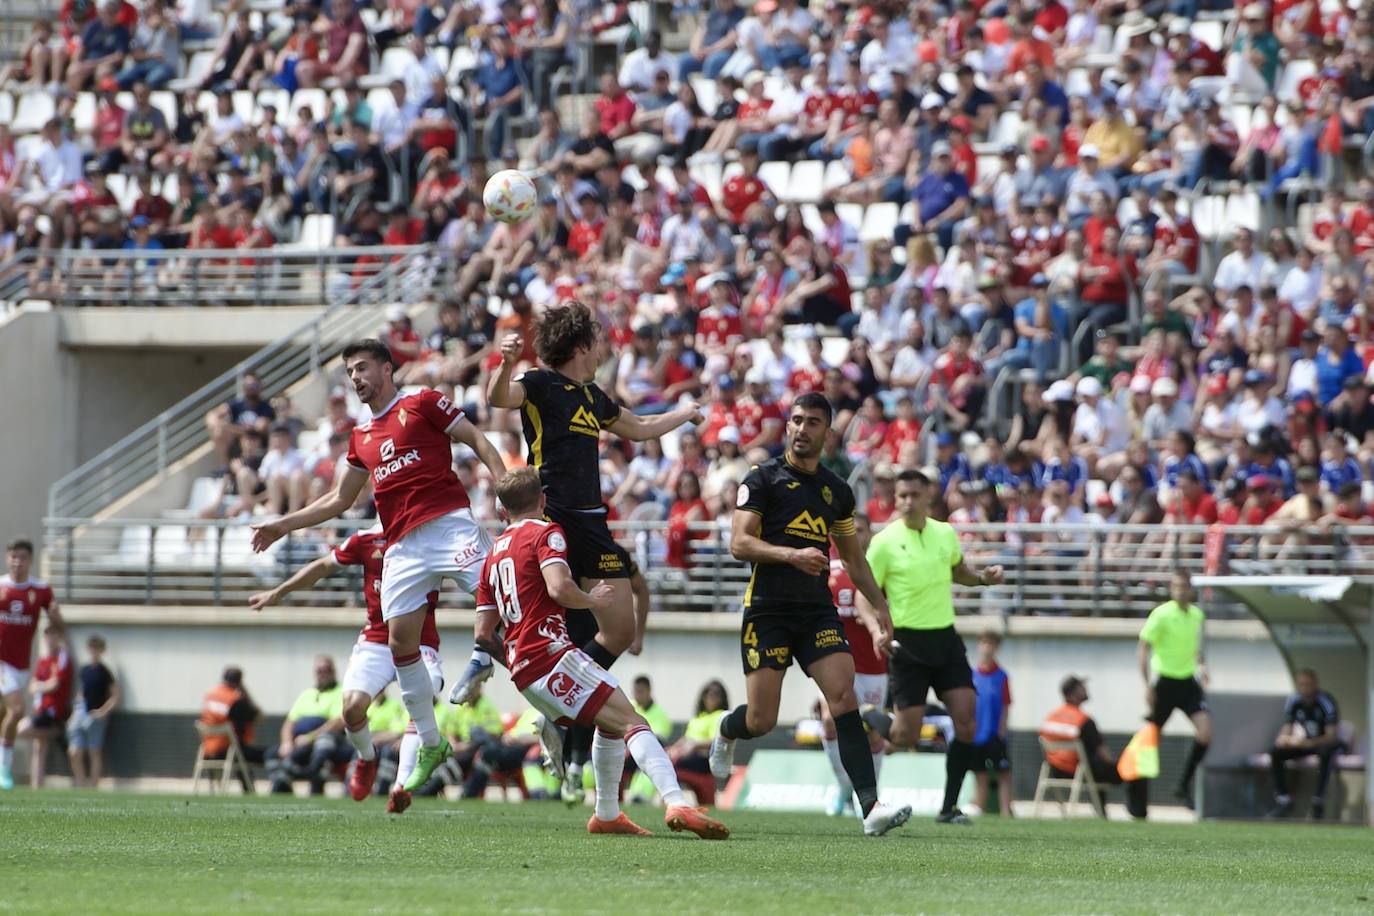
{"type": "Point", "coordinates": [509, 196]}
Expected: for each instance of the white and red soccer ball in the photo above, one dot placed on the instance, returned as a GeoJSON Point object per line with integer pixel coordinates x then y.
{"type": "Point", "coordinates": [509, 196]}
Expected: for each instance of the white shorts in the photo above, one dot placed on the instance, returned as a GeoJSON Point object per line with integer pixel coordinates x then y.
{"type": "Point", "coordinates": [574, 691]}
{"type": "Point", "coordinates": [370, 668]}
{"type": "Point", "coordinates": [12, 680]}
{"type": "Point", "coordinates": [451, 546]}
{"type": "Point", "coordinates": [871, 689]}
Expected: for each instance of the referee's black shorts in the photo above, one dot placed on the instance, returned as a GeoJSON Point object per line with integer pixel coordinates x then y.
{"type": "Point", "coordinates": [592, 552]}
{"type": "Point", "coordinates": [1181, 693]}
{"type": "Point", "coordinates": [927, 659]}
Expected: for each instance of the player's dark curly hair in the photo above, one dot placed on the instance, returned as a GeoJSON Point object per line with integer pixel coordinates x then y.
{"type": "Point", "coordinates": [370, 346]}
{"type": "Point", "coordinates": [562, 331]}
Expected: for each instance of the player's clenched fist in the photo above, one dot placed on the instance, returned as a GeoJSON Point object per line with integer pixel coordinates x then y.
{"type": "Point", "coordinates": [603, 595]}
{"type": "Point", "coordinates": [511, 348]}
{"type": "Point", "coordinates": [811, 561]}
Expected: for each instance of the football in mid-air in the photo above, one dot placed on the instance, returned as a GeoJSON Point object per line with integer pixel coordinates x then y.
{"type": "Point", "coordinates": [509, 196]}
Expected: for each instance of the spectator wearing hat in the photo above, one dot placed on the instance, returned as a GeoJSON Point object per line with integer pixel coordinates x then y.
{"type": "Point", "coordinates": [1088, 179]}
{"type": "Point", "coordinates": [1099, 433]}
{"type": "Point", "coordinates": [941, 197]}
{"type": "Point", "coordinates": [1166, 414]}
{"type": "Point", "coordinates": [1253, 62]}
{"type": "Point", "coordinates": [1039, 181]}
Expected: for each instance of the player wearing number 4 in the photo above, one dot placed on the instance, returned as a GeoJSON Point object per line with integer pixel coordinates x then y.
{"type": "Point", "coordinates": [406, 448]}
{"type": "Point", "coordinates": [526, 585]}
{"type": "Point", "coordinates": [788, 511]}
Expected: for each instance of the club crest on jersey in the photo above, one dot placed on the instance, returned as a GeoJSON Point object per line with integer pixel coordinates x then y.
{"type": "Point", "coordinates": [584, 422]}
{"type": "Point", "coordinates": [388, 450]}
{"type": "Point", "coordinates": [401, 416]}
{"type": "Point", "coordinates": [792, 484]}
{"type": "Point", "coordinates": [753, 658]}
{"type": "Point", "coordinates": [826, 495]}
{"type": "Point", "coordinates": [808, 527]}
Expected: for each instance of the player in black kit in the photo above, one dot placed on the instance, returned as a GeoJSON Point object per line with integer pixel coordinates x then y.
{"type": "Point", "coordinates": [563, 412]}
{"type": "Point", "coordinates": [788, 511]}
{"type": "Point", "coordinates": [1311, 726]}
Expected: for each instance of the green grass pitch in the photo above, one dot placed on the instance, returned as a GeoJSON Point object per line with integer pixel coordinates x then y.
{"type": "Point", "coordinates": [69, 852]}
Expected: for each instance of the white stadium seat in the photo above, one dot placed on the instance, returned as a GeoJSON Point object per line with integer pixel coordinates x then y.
{"type": "Point", "coordinates": [35, 109]}
{"type": "Point", "coordinates": [775, 175]}
{"type": "Point", "coordinates": [806, 181]}
{"type": "Point", "coordinates": [880, 220]}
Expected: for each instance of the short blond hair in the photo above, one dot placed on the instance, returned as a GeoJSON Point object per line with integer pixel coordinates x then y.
{"type": "Point", "coordinates": [519, 490]}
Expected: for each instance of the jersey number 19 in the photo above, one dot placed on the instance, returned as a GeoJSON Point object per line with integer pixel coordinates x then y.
{"type": "Point", "coordinates": [502, 583]}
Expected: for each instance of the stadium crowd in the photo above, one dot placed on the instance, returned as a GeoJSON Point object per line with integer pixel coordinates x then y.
{"type": "Point", "coordinates": [997, 274]}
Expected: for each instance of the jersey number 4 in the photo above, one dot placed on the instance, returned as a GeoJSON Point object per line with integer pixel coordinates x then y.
{"type": "Point", "coordinates": [750, 637]}
{"type": "Point", "coordinates": [502, 581]}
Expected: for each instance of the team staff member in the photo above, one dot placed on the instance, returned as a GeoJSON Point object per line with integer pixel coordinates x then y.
{"type": "Point", "coordinates": [915, 559]}
{"type": "Point", "coordinates": [788, 511]}
{"type": "Point", "coordinates": [1171, 649]}
{"type": "Point", "coordinates": [1311, 726]}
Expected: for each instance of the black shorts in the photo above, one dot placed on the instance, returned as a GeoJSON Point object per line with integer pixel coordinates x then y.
{"type": "Point", "coordinates": [592, 552]}
{"type": "Point", "coordinates": [773, 639]}
{"type": "Point", "coordinates": [582, 626]}
{"type": "Point", "coordinates": [927, 659]}
{"type": "Point", "coordinates": [991, 755]}
{"type": "Point", "coordinates": [1181, 693]}
{"type": "Point", "coordinates": [46, 719]}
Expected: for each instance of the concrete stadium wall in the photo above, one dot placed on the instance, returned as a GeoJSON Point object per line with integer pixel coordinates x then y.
{"type": "Point", "coordinates": [168, 658]}
{"type": "Point", "coordinates": [76, 381]}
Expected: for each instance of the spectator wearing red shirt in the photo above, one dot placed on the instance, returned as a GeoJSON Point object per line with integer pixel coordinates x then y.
{"type": "Point", "coordinates": [52, 702]}
{"type": "Point", "coordinates": [1190, 503]}
{"type": "Point", "coordinates": [905, 428]}
{"type": "Point", "coordinates": [1102, 286]}
{"type": "Point", "coordinates": [688, 508]}
{"type": "Point", "coordinates": [1177, 244]}
{"type": "Point", "coordinates": [585, 235]}
{"type": "Point", "coordinates": [401, 337]}
{"type": "Point", "coordinates": [1262, 502]}
{"type": "Point", "coordinates": [883, 503]}
{"type": "Point", "coordinates": [760, 417]}
{"type": "Point", "coordinates": [1027, 47]}
{"type": "Point", "coordinates": [723, 412]}
{"type": "Point", "coordinates": [742, 191]}
{"type": "Point", "coordinates": [616, 108]}
{"type": "Point", "coordinates": [956, 381]}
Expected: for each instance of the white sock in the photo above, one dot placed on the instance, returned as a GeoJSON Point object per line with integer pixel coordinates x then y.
{"type": "Point", "coordinates": [6, 756]}
{"type": "Point", "coordinates": [482, 658]}
{"type": "Point", "coordinates": [653, 761]}
{"type": "Point", "coordinates": [410, 749]}
{"type": "Point", "coordinates": [832, 751]}
{"type": "Point", "coordinates": [361, 739]}
{"type": "Point", "coordinates": [877, 766]}
{"type": "Point", "coordinates": [608, 762]}
{"type": "Point", "coordinates": [417, 692]}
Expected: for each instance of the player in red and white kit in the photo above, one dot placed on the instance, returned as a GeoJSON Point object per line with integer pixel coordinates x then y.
{"type": "Point", "coordinates": [370, 668]}
{"type": "Point", "coordinates": [22, 600]}
{"type": "Point", "coordinates": [406, 449]}
{"type": "Point", "coordinates": [870, 671]}
{"type": "Point", "coordinates": [526, 586]}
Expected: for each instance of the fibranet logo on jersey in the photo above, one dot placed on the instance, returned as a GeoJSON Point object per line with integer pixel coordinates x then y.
{"type": "Point", "coordinates": [809, 527]}
{"type": "Point", "coordinates": [383, 471]}
{"type": "Point", "coordinates": [583, 422]}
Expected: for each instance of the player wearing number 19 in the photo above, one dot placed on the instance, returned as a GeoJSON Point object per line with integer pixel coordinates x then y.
{"type": "Point", "coordinates": [526, 586]}
{"type": "Point", "coordinates": [788, 511]}
{"type": "Point", "coordinates": [406, 448]}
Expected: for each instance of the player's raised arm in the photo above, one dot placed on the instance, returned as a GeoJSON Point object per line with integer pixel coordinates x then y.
{"type": "Point", "coordinates": [871, 605]}
{"type": "Point", "coordinates": [303, 578]}
{"type": "Point", "coordinates": [331, 505]}
{"type": "Point", "coordinates": [464, 433]}
{"type": "Point", "coordinates": [748, 546]}
{"type": "Point", "coordinates": [501, 391]}
{"type": "Point", "coordinates": [640, 429]}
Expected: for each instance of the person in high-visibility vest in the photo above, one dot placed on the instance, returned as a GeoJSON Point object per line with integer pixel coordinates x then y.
{"type": "Point", "coordinates": [1171, 649]}
{"type": "Point", "coordinates": [1069, 721]}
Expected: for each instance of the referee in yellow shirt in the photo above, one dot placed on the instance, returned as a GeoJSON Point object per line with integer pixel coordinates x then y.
{"type": "Point", "coordinates": [915, 559]}
{"type": "Point", "coordinates": [1171, 649]}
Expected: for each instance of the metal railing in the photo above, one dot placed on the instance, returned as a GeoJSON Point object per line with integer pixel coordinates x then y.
{"type": "Point", "coordinates": [268, 276]}
{"type": "Point", "coordinates": [1082, 570]}
{"type": "Point", "coordinates": [154, 447]}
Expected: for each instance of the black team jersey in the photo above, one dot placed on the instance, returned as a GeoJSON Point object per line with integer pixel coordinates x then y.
{"type": "Point", "coordinates": [1313, 718]}
{"type": "Point", "coordinates": [562, 421]}
{"type": "Point", "coordinates": [799, 509]}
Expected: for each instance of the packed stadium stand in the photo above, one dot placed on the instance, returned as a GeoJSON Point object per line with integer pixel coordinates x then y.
{"type": "Point", "coordinates": [1102, 266]}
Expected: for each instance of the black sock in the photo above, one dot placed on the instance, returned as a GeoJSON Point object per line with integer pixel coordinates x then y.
{"type": "Point", "coordinates": [735, 725]}
{"type": "Point", "coordinates": [1190, 769]}
{"type": "Point", "coordinates": [880, 722]}
{"type": "Point", "coordinates": [600, 654]}
{"type": "Point", "coordinates": [577, 744]}
{"type": "Point", "coordinates": [857, 758]}
{"type": "Point", "coordinates": [956, 765]}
